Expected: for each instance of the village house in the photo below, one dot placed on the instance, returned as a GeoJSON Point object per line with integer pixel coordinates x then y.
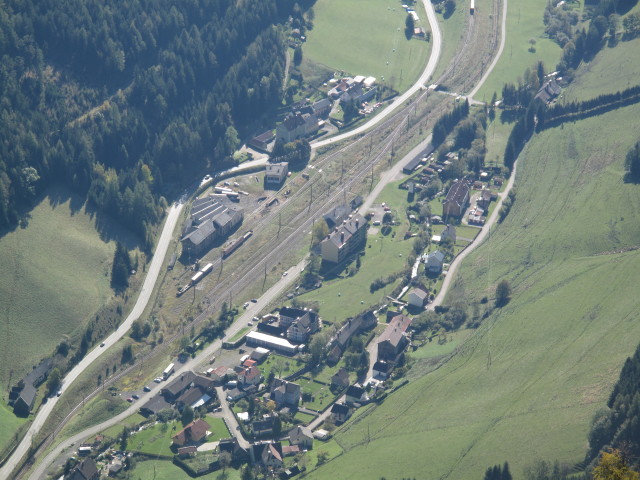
{"type": "Point", "coordinates": [394, 339]}
{"type": "Point", "coordinates": [193, 433]}
{"type": "Point", "coordinates": [297, 125]}
{"type": "Point", "coordinates": [418, 297]}
{"type": "Point", "coordinates": [154, 406]}
{"type": "Point", "coordinates": [484, 199]}
{"type": "Point", "coordinates": [85, 470]}
{"type": "Point", "coordinates": [23, 395]}
{"type": "Point", "coordinates": [322, 108]}
{"type": "Point", "coordinates": [549, 90]}
{"type": "Point", "coordinates": [449, 233]}
{"type": "Point", "coordinates": [356, 394]}
{"type": "Point", "coordinates": [285, 394]}
{"type": "Point", "coordinates": [340, 413]}
{"type": "Point", "coordinates": [276, 173]}
{"type": "Point", "coordinates": [271, 455]}
{"type": "Point", "coordinates": [302, 437]}
{"type": "Point", "coordinates": [264, 427]}
{"type": "Point", "coordinates": [338, 343]}
{"type": "Point", "coordinates": [261, 142]}
{"type": "Point", "coordinates": [381, 370]}
{"type": "Point", "coordinates": [344, 240]}
{"type": "Point", "coordinates": [250, 376]}
{"type": "Point", "coordinates": [298, 323]}
{"type": "Point", "coordinates": [457, 199]}
{"type": "Point", "coordinates": [434, 262]}
{"type": "Point", "coordinates": [340, 379]}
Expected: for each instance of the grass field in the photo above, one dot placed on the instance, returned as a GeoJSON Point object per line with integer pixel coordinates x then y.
{"type": "Point", "coordinates": [524, 22]}
{"type": "Point", "coordinates": [526, 384]}
{"type": "Point", "coordinates": [218, 429]}
{"type": "Point", "coordinates": [9, 423]}
{"type": "Point", "coordinates": [155, 440]}
{"type": "Point", "coordinates": [165, 470]}
{"type": "Point", "coordinates": [367, 39]}
{"type": "Point", "coordinates": [56, 274]}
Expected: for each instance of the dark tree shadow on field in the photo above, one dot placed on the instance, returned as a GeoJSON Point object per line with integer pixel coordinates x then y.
{"type": "Point", "coordinates": [629, 178]}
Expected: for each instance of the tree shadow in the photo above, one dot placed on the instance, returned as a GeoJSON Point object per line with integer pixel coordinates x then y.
{"type": "Point", "coordinates": [629, 178]}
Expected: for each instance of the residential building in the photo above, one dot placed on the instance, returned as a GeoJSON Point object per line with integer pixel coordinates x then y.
{"type": "Point", "coordinates": [194, 397]}
{"type": "Point", "coordinates": [344, 240]}
{"type": "Point", "coordinates": [261, 142]}
{"type": "Point", "coordinates": [394, 339]}
{"type": "Point", "coordinates": [340, 413]}
{"type": "Point", "coordinates": [485, 198]}
{"type": "Point", "coordinates": [285, 394]}
{"type": "Point", "coordinates": [356, 394]}
{"type": "Point", "coordinates": [549, 90]}
{"type": "Point", "coordinates": [193, 433]}
{"type": "Point", "coordinates": [85, 470]}
{"type": "Point", "coordinates": [272, 455]}
{"type": "Point", "coordinates": [457, 199]}
{"type": "Point", "coordinates": [22, 395]}
{"type": "Point", "coordinates": [302, 437]}
{"type": "Point", "coordinates": [154, 406]}
{"type": "Point", "coordinates": [338, 343]}
{"type": "Point", "coordinates": [24, 403]}
{"type": "Point", "coordinates": [381, 370]}
{"type": "Point", "coordinates": [263, 427]}
{"type": "Point", "coordinates": [418, 297]}
{"type": "Point", "coordinates": [434, 262]}
{"type": "Point", "coordinates": [276, 173]}
{"type": "Point", "coordinates": [340, 379]}
{"type": "Point", "coordinates": [336, 216]}
{"type": "Point", "coordinates": [322, 108]}
{"type": "Point", "coordinates": [449, 233]}
{"type": "Point", "coordinates": [297, 125]}
{"type": "Point", "coordinates": [250, 376]}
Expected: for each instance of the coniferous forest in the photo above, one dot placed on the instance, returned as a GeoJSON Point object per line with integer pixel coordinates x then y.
{"type": "Point", "coordinates": [124, 101]}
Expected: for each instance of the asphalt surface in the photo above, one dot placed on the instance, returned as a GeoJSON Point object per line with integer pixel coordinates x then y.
{"type": "Point", "coordinates": [143, 298]}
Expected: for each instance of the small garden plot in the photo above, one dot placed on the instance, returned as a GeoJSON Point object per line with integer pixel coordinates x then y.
{"type": "Point", "coordinates": [155, 440]}
{"type": "Point", "coordinates": [280, 365]}
{"type": "Point", "coordinates": [320, 394]}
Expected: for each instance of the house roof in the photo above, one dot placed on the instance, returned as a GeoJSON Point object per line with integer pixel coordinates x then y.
{"type": "Point", "coordinates": [457, 193]}
{"type": "Point", "coordinates": [28, 394]}
{"type": "Point", "coordinates": [192, 396]}
{"type": "Point", "coordinates": [278, 169]}
{"type": "Point", "coordinates": [39, 372]}
{"type": "Point", "coordinates": [395, 330]}
{"type": "Point", "coordinates": [436, 256]}
{"type": "Point", "coordinates": [298, 433]}
{"type": "Point", "coordinates": [321, 104]}
{"type": "Point", "coordinates": [421, 294]}
{"type": "Point", "coordinates": [355, 391]}
{"type": "Point", "coordinates": [341, 376]}
{"type": "Point", "coordinates": [286, 388]}
{"type": "Point", "coordinates": [85, 470]}
{"type": "Point", "coordinates": [156, 404]}
{"type": "Point", "coordinates": [263, 425]}
{"type": "Point", "coordinates": [265, 136]}
{"type": "Point", "coordinates": [336, 215]}
{"type": "Point", "coordinates": [343, 233]}
{"type": "Point", "coordinates": [251, 372]}
{"type": "Point", "coordinates": [201, 233]}
{"type": "Point", "coordinates": [288, 450]}
{"type": "Point", "coordinates": [180, 384]}
{"type": "Point", "coordinates": [381, 366]}
{"type": "Point", "coordinates": [194, 432]}
{"type": "Point", "coordinates": [274, 450]}
{"type": "Point", "coordinates": [340, 409]}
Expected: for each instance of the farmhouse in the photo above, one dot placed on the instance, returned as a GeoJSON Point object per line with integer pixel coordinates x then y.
{"type": "Point", "coordinates": [340, 413]}
{"type": "Point", "coordinates": [209, 221]}
{"type": "Point", "coordinates": [549, 90]}
{"type": "Point", "coordinates": [340, 379]}
{"type": "Point", "coordinates": [434, 262]}
{"type": "Point", "coordinates": [154, 406]}
{"type": "Point", "coordinates": [302, 437]}
{"type": "Point", "coordinates": [356, 394]}
{"type": "Point", "coordinates": [261, 142]}
{"type": "Point", "coordinates": [276, 173]}
{"type": "Point", "coordinates": [394, 339]}
{"type": "Point", "coordinates": [85, 470]}
{"type": "Point", "coordinates": [23, 395]}
{"type": "Point", "coordinates": [457, 199]}
{"type": "Point", "coordinates": [263, 427]}
{"type": "Point", "coordinates": [418, 297]}
{"type": "Point", "coordinates": [322, 108]}
{"type": "Point", "coordinates": [338, 343]}
{"type": "Point", "coordinates": [193, 433]}
{"type": "Point", "coordinates": [344, 240]}
{"type": "Point", "coordinates": [285, 394]}
{"type": "Point", "coordinates": [24, 403]}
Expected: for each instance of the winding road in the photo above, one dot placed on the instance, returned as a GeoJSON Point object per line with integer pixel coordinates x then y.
{"type": "Point", "coordinates": [165, 238]}
{"type": "Point", "coordinates": [143, 298]}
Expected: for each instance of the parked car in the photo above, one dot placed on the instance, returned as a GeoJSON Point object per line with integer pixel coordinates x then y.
{"type": "Point", "coordinates": [129, 399]}
{"type": "Point", "coordinates": [147, 388]}
{"type": "Point", "coordinates": [135, 396]}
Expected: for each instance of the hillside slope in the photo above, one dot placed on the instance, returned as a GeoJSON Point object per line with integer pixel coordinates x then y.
{"type": "Point", "coordinates": [528, 382]}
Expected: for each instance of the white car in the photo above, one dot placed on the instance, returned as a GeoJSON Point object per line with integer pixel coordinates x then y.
{"type": "Point", "coordinates": [157, 379]}
{"type": "Point", "coordinates": [284, 274]}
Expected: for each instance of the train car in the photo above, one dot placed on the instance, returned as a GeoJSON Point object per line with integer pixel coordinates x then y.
{"type": "Point", "coordinates": [236, 244]}
{"type": "Point", "coordinates": [207, 268]}
{"type": "Point", "coordinates": [196, 278]}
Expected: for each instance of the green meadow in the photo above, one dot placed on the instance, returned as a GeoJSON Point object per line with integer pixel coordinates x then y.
{"type": "Point", "coordinates": [367, 38]}
{"type": "Point", "coordinates": [524, 23]}
{"type": "Point", "coordinates": [526, 384]}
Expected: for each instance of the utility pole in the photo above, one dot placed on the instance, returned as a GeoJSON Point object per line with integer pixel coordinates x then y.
{"type": "Point", "coordinates": [311, 198]}
{"type": "Point", "coordinates": [279, 223]}
{"type": "Point", "coordinates": [313, 224]}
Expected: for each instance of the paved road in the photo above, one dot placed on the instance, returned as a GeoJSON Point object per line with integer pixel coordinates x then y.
{"type": "Point", "coordinates": [231, 420]}
{"type": "Point", "coordinates": [192, 364]}
{"type": "Point", "coordinates": [503, 37]}
{"type": "Point", "coordinates": [143, 298]}
{"type": "Point", "coordinates": [479, 239]}
{"type": "Point", "coordinates": [436, 38]}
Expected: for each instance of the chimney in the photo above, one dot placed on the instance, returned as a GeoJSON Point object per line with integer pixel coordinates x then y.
{"type": "Point", "coordinates": [342, 237]}
{"type": "Point", "coordinates": [357, 224]}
